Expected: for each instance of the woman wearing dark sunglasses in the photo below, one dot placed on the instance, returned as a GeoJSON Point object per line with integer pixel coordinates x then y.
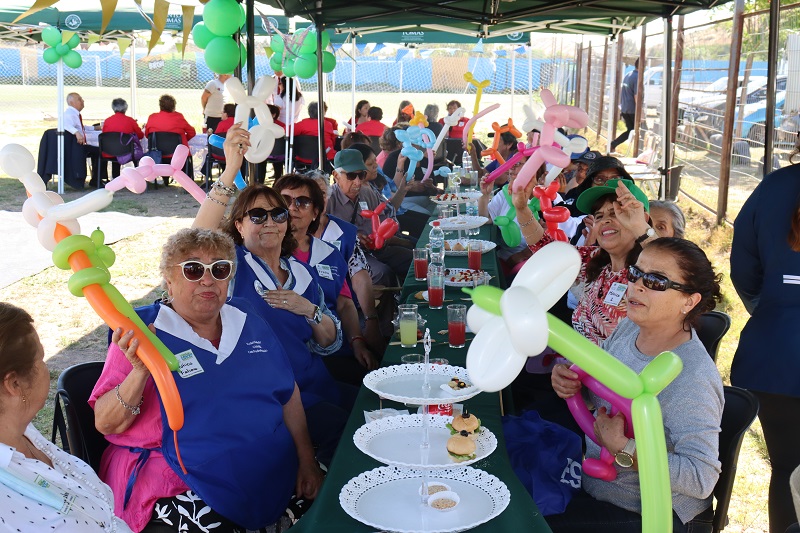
{"type": "Point", "coordinates": [671, 284]}
{"type": "Point", "coordinates": [306, 204]}
{"type": "Point", "coordinates": [234, 379]}
{"type": "Point", "coordinates": [284, 291]}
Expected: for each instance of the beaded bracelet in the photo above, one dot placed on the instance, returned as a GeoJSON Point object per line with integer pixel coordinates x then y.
{"type": "Point", "coordinates": [223, 189]}
{"type": "Point", "coordinates": [134, 409]}
{"type": "Point", "coordinates": [223, 204]}
{"type": "Point", "coordinates": [528, 223]}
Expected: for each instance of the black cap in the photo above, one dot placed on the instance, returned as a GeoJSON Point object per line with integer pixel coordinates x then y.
{"type": "Point", "coordinates": [605, 162]}
{"type": "Point", "coordinates": [588, 157]}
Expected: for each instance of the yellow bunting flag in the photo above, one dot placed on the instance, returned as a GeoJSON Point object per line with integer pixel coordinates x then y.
{"type": "Point", "coordinates": [188, 18]}
{"type": "Point", "coordinates": [109, 6]}
{"type": "Point", "coordinates": [66, 36]}
{"type": "Point", "coordinates": [160, 11]}
{"type": "Point", "coordinates": [37, 6]}
{"type": "Point", "coordinates": [92, 38]}
{"type": "Point", "coordinates": [269, 51]}
{"type": "Point", "coordinates": [180, 48]}
{"type": "Point", "coordinates": [123, 43]}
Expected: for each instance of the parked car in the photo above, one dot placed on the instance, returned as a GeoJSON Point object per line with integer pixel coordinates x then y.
{"type": "Point", "coordinates": [755, 116]}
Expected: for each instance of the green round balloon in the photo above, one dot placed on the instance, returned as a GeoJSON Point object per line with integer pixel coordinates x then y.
{"type": "Point", "coordinates": [201, 35]}
{"type": "Point", "coordinates": [242, 54]}
{"type": "Point", "coordinates": [276, 43]}
{"type": "Point", "coordinates": [62, 49]}
{"type": "Point", "coordinates": [309, 43]}
{"type": "Point", "coordinates": [275, 62]}
{"type": "Point", "coordinates": [242, 16]}
{"type": "Point", "coordinates": [326, 40]}
{"type": "Point", "coordinates": [222, 55]}
{"type": "Point", "coordinates": [74, 41]}
{"type": "Point", "coordinates": [306, 66]}
{"type": "Point", "coordinates": [50, 55]}
{"type": "Point", "coordinates": [328, 62]}
{"type": "Point", "coordinates": [73, 59]}
{"type": "Point", "coordinates": [222, 17]}
{"type": "Point", "coordinates": [288, 68]}
{"type": "Point", "coordinates": [51, 36]}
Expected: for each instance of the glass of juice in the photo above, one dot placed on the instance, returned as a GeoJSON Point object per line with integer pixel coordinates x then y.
{"type": "Point", "coordinates": [457, 325]}
{"type": "Point", "coordinates": [407, 317]}
{"type": "Point", "coordinates": [435, 286]}
{"type": "Point", "coordinates": [474, 251]}
{"type": "Point", "coordinates": [420, 264]}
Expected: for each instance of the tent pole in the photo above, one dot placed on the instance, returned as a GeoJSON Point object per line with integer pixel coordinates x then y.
{"type": "Point", "coordinates": [290, 123]}
{"type": "Point", "coordinates": [666, 100]}
{"type": "Point", "coordinates": [530, 70]}
{"type": "Point", "coordinates": [134, 81]}
{"type": "Point", "coordinates": [60, 76]}
{"type": "Point", "coordinates": [250, 24]}
{"type": "Point", "coordinates": [513, 64]}
{"type": "Point", "coordinates": [320, 101]}
{"type": "Point", "coordinates": [353, 86]}
{"type": "Point", "coordinates": [614, 91]}
{"type": "Point", "coordinates": [772, 62]}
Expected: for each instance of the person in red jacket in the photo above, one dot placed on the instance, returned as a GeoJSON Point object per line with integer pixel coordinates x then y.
{"type": "Point", "coordinates": [228, 111]}
{"type": "Point", "coordinates": [373, 127]}
{"type": "Point", "coordinates": [169, 120]}
{"type": "Point", "coordinates": [457, 131]}
{"type": "Point", "coordinates": [122, 123]}
{"type": "Point", "coordinates": [310, 126]}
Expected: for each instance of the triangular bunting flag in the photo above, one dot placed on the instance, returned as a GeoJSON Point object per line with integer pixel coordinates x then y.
{"type": "Point", "coordinates": [268, 51]}
{"type": "Point", "coordinates": [38, 6]}
{"type": "Point", "coordinates": [92, 38]}
{"type": "Point", "coordinates": [66, 36]}
{"type": "Point", "coordinates": [109, 6]}
{"type": "Point", "coordinates": [160, 11]}
{"type": "Point", "coordinates": [188, 18]}
{"type": "Point", "coordinates": [123, 43]}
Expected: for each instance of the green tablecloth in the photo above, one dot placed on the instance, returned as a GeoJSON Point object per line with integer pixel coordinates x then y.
{"type": "Point", "coordinates": [326, 515]}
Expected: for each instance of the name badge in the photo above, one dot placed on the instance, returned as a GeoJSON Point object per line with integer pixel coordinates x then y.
{"type": "Point", "coordinates": [324, 271]}
{"type": "Point", "coordinates": [337, 244]}
{"type": "Point", "coordinates": [188, 364]}
{"type": "Point", "coordinates": [615, 294]}
{"type": "Point", "coordinates": [363, 205]}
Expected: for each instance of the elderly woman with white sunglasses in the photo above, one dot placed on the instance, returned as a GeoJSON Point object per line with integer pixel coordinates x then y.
{"type": "Point", "coordinates": [670, 285]}
{"type": "Point", "coordinates": [234, 380]}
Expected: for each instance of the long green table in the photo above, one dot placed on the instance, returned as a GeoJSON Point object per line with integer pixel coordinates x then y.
{"type": "Point", "coordinates": [326, 515]}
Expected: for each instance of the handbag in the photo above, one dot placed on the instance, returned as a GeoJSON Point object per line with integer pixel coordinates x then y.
{"type": "Point", "coordinates": [138, 151]}
{"type": "Point", "coordinates": [154, 152]}
{"type": "Point", "coordinates": [546, 458]}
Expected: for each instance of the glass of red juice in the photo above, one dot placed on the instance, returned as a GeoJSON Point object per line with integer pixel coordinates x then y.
{"type": "Point", "coordinates": [420, 264]}
{"type": "Point", "coordinates": [474, 251]}
{"type": "Point", "coordinates": [457, 325]}
{"type": "Point", "coordinates": [435, 286]}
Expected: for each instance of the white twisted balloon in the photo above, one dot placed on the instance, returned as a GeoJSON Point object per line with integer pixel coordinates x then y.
{"type": "Point", "coordinates": [449, 121]}
{"type": "Point", "coordinates": [503, 344]}
{"type": "Point", "coordinates": [262, 135]}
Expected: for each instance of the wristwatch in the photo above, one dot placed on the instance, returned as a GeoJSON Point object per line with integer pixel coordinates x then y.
{"type": "Point", "coordinates": [317, 316]}
{"type": "Point", "coordinates": [624, 457]}
{"type": "Point", "coordinates": [646, 235]}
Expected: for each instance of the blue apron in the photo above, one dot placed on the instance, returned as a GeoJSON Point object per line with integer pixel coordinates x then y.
{"type": "Point", "coordinates": [239, 455]}
{"type": "Point", "coordinates": [312, 377]}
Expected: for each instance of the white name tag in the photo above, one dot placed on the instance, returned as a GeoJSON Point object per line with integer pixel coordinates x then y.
{"type": "Point", "coordinates": [337, 244]}
{"type": "Point", "coordinates": [363, 205]}
{"type": "Point", "coordinates": [615, 294]}
{"type": "Point", "coordinates": [324, 271]}
{"type": "Point", "coordinates": [189, 365]}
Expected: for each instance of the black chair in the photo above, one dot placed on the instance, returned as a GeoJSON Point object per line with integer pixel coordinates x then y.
{"type": "Point", "coordinates": [277, 157]}
{"type": "Point", "coordinates": [215, 156]}
{"type": "Point", "coordinates": [74, 159]}
{"type": "Point", "coordinates": [78, 435]}
{"type": "Point", "coordinates": [711, 328]}
{"type": "Point", "coordinates": [453, 150]}
{"type": "Point", "coordinates": [741, 408]}
{"type": "Point", "coordinates": [114, 144]}
{"type": "Point", "coordinates": [305, 152]}
{"type": "Point", "coordinates": [375, 143]}
{"type": "Point", "coordinates": [166, 142]}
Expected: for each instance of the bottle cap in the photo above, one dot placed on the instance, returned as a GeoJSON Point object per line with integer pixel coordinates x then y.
{"type": "Point", "coordinates": [435, 223]}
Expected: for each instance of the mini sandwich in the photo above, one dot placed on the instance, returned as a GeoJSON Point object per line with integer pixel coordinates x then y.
{"type": "Point", "coordinates": [465, 422]}
{"type": "Point", "coordinates": [461, 447]}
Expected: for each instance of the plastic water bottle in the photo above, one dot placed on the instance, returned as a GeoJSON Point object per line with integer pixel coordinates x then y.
{"type": "Point", "coordinates": [466, 164]}
{"type": "Point", "coordinates": [436, 242]}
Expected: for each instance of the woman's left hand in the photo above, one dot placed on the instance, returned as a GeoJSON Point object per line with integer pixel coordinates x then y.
{"type": "Point", "coordinates": [309, 480]}
{"type": "Point", "coordinates": [289, 301]}
{"type": "Point", "coordinates": [630, 211]}
{"type": "Point", "coordinates": [610, 430]}
{"type": "Point", "coordinates": [237, 141]}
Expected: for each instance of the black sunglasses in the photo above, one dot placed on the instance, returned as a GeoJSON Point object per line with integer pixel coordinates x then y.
{"type": "Point", "coordinates": [258, 215]}
{"type": "Point", "coordinates": [656, 282]}
{"type": "Point", "coordinates": [361, 174]}
{"type": "Point", "coordinates": [194, 270]}
{"type": "Point", "coordinates": [300, 202]}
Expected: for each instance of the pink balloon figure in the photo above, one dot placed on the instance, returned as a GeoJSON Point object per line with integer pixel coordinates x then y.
{"type": "Point", "coordinates": [602, 468]}
{"type": "Point", "coordinates": [553, 216]}
{"type": "Point", "coordinates": [522, 151]}
{"type": "Point", "coordinates": [555, 116]}
{"type": "Point", "coordinates": [135, 178]}
{"type": "Point", "coordinates": [381, 231]}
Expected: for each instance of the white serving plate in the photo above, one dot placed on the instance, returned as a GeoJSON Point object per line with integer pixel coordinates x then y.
{"type": "Point", "coordinates": [464, 196]}
{"type": "Point", "coordinates": [488, 246]}
{"type": "Point", "coordinates": [462, 222]}
{"type": "Point", "coordinates": [387, 499]}
{"type": "Point", "coordinates": [403, 383]}
{"type": "Point", "coordinates": [449, 272]}
{"type": "Point", "coordinates": [395, 440]}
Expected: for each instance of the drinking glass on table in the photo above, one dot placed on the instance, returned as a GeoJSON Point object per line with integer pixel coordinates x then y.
{"type": "Point", "coordinates": [457, 325]}
{"type": "Point", "coordinates": [420, 264]}
{"type": "Point", "coordinates": [472, 211]}
{"type": "Point", "coordinates": [407, 318]}
{"type": "Point", "coordinates": [474, 251]}
{"type": "Point", "coordinates": [435, 286]}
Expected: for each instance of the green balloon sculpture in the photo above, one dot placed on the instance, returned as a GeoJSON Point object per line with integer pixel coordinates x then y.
{"type": "Point", "coordinates": [221, 20]}
{"type": "Point", "coordinates": [60, 50]}
{"type": "Point", "coordinates": [296, 55]}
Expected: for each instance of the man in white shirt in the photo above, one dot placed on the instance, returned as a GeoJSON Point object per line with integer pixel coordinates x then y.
{"type": "Point", "coordinates": [213, 99]}
{"type": "Point", "coordinates": [73, 123]}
